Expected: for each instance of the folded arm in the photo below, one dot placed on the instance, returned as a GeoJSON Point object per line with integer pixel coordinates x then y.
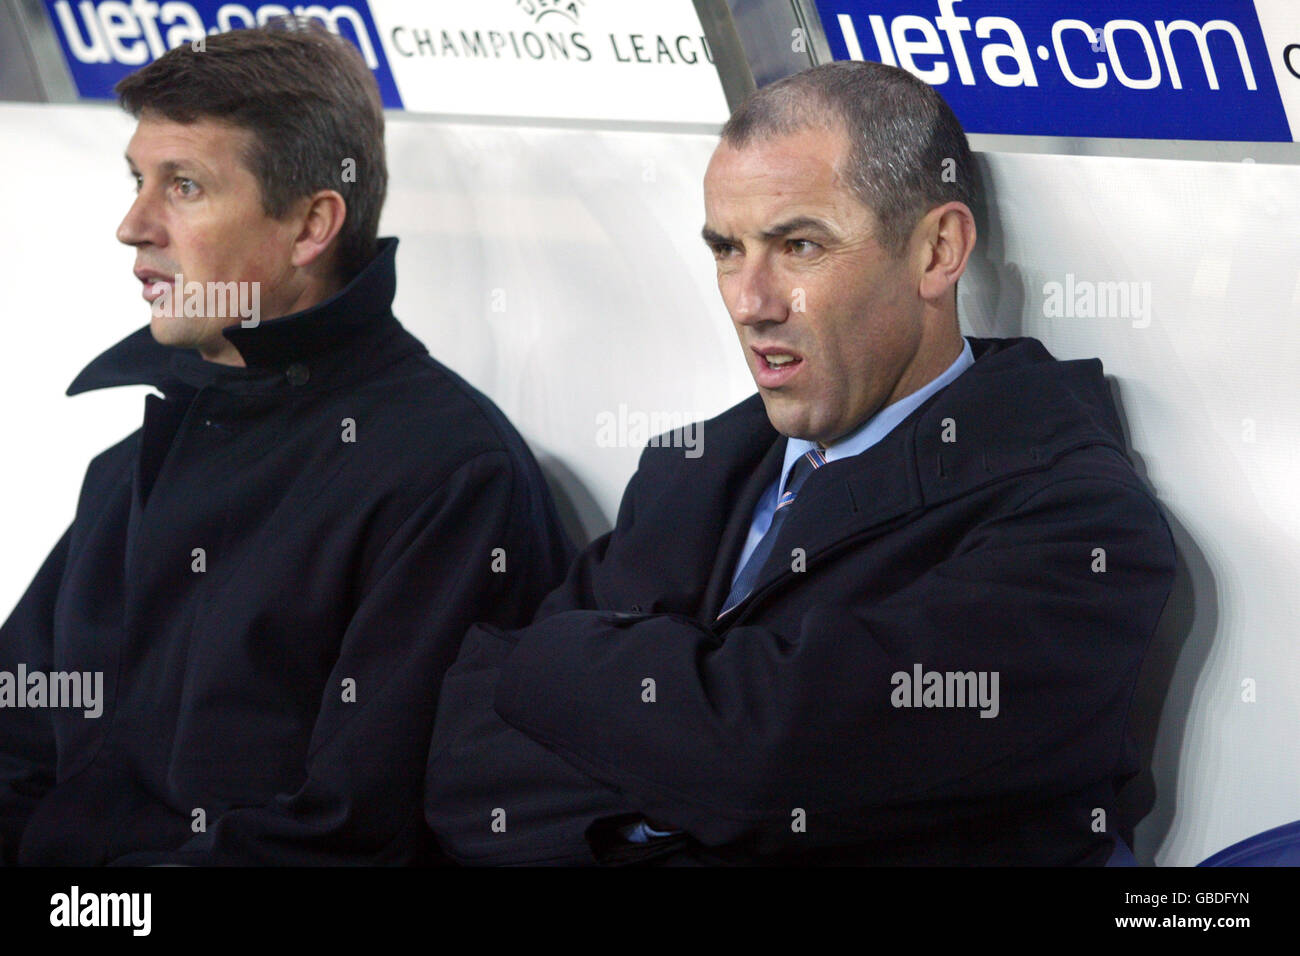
{"type": "Point", "coordinates": [748, 731]}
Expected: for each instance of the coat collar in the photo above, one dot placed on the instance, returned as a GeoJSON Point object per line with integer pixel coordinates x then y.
{"type": "Point", "coordinates": [1016, 410]}
{"type": "Point", "coordinates": [297, 351]}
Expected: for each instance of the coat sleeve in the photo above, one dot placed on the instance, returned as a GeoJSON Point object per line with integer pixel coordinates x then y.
{"type": "Point", "coordinates": [359, 802]}
{"type": "Point", "coordinates": [493, 795]}
{"type": "Point", "coordinates": [745, 733]}
{"type": "Point", "coordinates": [27, 751]}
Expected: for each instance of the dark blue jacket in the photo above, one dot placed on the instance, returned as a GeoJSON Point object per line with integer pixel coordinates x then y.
{"type": "Point", "coordinates": [999, 528]}
{"type": "Point", "coordinates": [273, 701]}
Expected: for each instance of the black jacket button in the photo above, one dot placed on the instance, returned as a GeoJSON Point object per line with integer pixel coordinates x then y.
{"type": "Point", "coordinates": [297, 374]}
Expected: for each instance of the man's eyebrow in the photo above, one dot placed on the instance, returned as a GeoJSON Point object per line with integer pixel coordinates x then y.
{"type": "Point", "coordinates": [797, 224]}
{"type": "Point", "coordinates": [169, 166]}
{"type": "Point", "coordinates": [780, 230]}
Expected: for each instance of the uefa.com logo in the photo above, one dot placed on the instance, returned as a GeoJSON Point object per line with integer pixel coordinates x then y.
{"type": "Point", "coordinates": [136, 32]}
{"type": "Point", "coordinates": [1180, 69]}
{"type": "Point", "coordinates": [1087, 55]}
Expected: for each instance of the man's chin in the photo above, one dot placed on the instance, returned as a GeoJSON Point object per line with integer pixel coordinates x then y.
{"type": "Point", "coordinates": [167, 330]}
{"type": "Point", "coordinates": [787, 417]}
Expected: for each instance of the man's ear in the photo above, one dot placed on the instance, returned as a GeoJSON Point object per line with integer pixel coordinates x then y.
{"type": "Point", "coordinates": [948, 237]}
{"type": "Point", "coordinates": [322, 217]}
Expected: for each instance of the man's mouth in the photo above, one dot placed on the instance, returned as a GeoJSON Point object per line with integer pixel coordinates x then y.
{"type": "Point", "coordinates": [776, 366]}
{"type": "Point", "coordinates": [153, 289]}
{"type": "Point", "coordinates": [153, 283]}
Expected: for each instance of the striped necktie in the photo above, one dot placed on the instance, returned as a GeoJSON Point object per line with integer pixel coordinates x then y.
{"type": "Point", "coordinates": [808, 462]}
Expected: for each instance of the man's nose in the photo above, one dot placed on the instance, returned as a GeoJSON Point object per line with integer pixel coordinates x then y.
{"type": "Point", "coordinates": [757, 296]}
{"type": "Point", "coordinates": [140, 224]}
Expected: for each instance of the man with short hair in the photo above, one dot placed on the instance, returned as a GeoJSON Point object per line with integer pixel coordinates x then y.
{"type": "Point", "coordinates": [893, 614]}
{"type": "Point", "coordinates": [268, 579]}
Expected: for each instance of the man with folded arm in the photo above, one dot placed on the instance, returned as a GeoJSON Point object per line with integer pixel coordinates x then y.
{"type": "Point", "coordinates": [894, 613]}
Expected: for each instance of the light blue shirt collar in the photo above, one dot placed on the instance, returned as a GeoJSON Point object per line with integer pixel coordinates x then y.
{"type": "Point", "coordinates": [880, 424]}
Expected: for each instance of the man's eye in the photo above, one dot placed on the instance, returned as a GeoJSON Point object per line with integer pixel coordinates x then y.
{"type": "Point", "coordinates": [186, 187]}
{"type": "Point", "coordinates": [802, 247]}
{"type": "Point", "coordinates": [721, 250]}
{"type": "Point", "coordinates": [137, 180]}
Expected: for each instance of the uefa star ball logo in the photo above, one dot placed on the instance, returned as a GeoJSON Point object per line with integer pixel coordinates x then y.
{"type": "Point", "coordinates": [538, 9]}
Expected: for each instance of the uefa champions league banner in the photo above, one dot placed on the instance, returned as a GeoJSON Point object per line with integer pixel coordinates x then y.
{"type": "Point", "coordinates": [1152, 69]}
{"type": "Point", "coordinates": [583, 59]}
{"type": "Point", "coordinates": [1155, 69]}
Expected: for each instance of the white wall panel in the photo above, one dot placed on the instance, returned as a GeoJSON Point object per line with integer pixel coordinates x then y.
{"type": "Point", "coordinates": [562, 272]}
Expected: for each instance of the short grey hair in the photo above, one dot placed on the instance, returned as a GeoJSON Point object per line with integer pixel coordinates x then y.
{"type": "Point", "coordinates": [907, 150]}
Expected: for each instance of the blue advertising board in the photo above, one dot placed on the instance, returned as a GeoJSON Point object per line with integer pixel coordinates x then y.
{"type": "Point", "coordinates": [1154, 69]}
{"type": "Point", "coordinates": [105, 40]}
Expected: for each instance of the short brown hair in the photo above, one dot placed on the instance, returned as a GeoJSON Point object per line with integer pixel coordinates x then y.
{"type": "Point", "coordinates": [907, 150]}
{"type": "Point", "coordinates": [311, 104]}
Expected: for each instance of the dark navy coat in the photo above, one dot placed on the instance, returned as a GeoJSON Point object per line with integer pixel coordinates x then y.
{"type": "Point", "coordinates": [999, 529]}
{"type": "Point", "coordinates": [270, 699]}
